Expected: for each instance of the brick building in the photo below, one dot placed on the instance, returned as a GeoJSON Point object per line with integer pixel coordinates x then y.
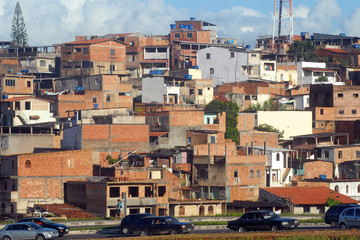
{"type": "Point", "coordinates": [16, 85]}
{"type": "Point", "coordinates": [28, 179]}
{"type": "Point", "coordinates": [335, 109]}
{"type": "Point", "coordinates": [93, 92]}
{"type": "Point", "coordinates": [90, 57]}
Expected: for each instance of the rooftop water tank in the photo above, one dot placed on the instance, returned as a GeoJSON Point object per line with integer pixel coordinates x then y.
{"type": "Point", "coordinates": [182, 26]}
{"type": "Point", "coordinates": [188, 76]}
{"type": "Point", "coordinates": [356, 46]}
{"type": "Point", "coordinates": [192, 19]}
{"type": "Point", "coordinates": [195, 67]}
{"type": "Point", "coordinates": [190, 26]}
{"type": "Point", "coordinates": [230, 41]}
{"type": "Point", "coordinates": [342, 34]}
{"type": "Point", "coordinates": [248, 46]}
{"type": "Point", "coordinates": [172, 26]}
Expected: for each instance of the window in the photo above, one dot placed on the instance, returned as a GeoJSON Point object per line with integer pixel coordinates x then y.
{"type": "Point", "coordinates": [133, 192]}
{"type": "Point", "coordinates": [97, 81]}
{"type": "Point", "coordinates": [236, 174]}
{"type": "Point", "coordinates": [77, 50]}
{"type": "Point", "coordinates": [321, 111]}
{"type": "Point", "coordinates": [341, 111]}
{"type": "Point", "coordinates": [17, 105]}
{"type": "Point", "coordinates": [278, 157]}
{"type": "Point", "coordinates": [208, 56]}
{"type": "Point", "coordinates": [232, 54]}
{"type": "Point", "coordinates": [94, 99]}
{"type": "Point", "coordinates": [112, 52]}
{"type": "Point", "coordinates": [340, 95]}
{"type": "Point", "coordinates": [258, 173]}
{"type": "Point", "coordinates": [358, 188]}
{"type": "Point", "coordinates": [355, 95]}
{"type": "Point", "coordinates": [112, 67]}
{"type": "Point", "coordinates": [251, 173]}
{"type": "Point", "coordinates": [27, 164]}
{"type": "Point", "coordinates": [85, 50]}
{"type": "Point", "coordinates": [27, 105]}
{"type": "Point", "coordinates": [189, 35]}
{"type": "Point", "coordinates": [177, 35]}
{"type": "Point", "coordinates": [357, 212]}
{"type": "Point", "coordinates": [181, 210]}
{"type": "Point", "coordinates": [212, 71]}
{"type": "Point", "coordinates": [10, 82]}
{"type": "Point", "coordinates": [339, 154]}
{"type": "Point", "coordinates": [114, 192]}
{"type": "Point", "coordinates": [357, 154]}
{"type": "Point", "coordinates": [347, 188]}
{"type": "Point", "coordinates": [212, 139]}
{"type": "Point", "coordinates": [70, 162]}
{"type": "Point", "coordinates": [161, 191]}
{"type": "Point", "coordinates": [353, 111]}
{"type": "Point", "coordinates": [148, 192]}
{"type": "Point", "coordinates": [336, 188]}
{"type": "Point", "coordinates": [42, 63]}
{"type": "Point", "coordinates": [28, 83]}
{"type": "Point", "coordinates": [109, 98]}
{"type": "Point", "coordinates": [132, 43]}
{"type": "Point", "coordinates": [326, 154]}
{"type": "Point", "coordinates": [349, 212]}
{"type": "Point", "coordinates": [200, 92]}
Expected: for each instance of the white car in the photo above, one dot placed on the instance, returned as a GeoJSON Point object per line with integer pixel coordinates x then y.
{"type": "Point", "coordinates": [350, 218]}
{"type": "Point", "coordinates": [27, 230]}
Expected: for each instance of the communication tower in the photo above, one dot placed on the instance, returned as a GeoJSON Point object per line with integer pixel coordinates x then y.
{"type": "Point", "coordinates": [283, 23]}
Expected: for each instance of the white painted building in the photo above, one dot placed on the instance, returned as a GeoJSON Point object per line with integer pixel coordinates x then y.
{"type": "Point", "coordinates": [348, 187]}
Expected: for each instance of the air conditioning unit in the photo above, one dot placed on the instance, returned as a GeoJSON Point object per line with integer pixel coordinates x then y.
{"type": "Point", "coordinates": [237, 179]}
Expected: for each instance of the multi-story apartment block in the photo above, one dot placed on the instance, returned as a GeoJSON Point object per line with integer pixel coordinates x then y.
{"type": "Point", "coordinates": [92, 57]}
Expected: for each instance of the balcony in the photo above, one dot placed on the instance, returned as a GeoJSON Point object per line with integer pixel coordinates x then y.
{"type": "Point", "coordinates": [136, 201]}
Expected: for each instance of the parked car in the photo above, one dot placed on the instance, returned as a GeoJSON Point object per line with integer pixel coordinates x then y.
{"type": "Point", "coordinates": [161, 225]}
{"type": "Point", "coordinates": [262, 220]}
{"type": "Point", "coordinates": [350, 218]}
{"type": "Point", "coordinates": [333, 213]}
{"type": "Point", "coordinates": [46, 223]}
{"type": "Point", "coordinates": [27, 230]}
{"type": "Point", "coordinates": [126, 225]}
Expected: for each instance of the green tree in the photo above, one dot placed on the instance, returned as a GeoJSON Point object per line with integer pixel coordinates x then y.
{"type": "Point", "coordinates": [322, 79]}
{"type": "Point", "coordinates": [269, 105]}
{"type": "Point", "coordinates": [302, 50]}
{"type": "Point", "coordinates": [331, 201]}
{"type": "Point", "coordinates": [232, 111]}
{"type": "Point", "coordinates": [18, 28]}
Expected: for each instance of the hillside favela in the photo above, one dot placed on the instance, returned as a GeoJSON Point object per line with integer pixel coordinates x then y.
{"type": "Point", "coordinates": [188, 126]}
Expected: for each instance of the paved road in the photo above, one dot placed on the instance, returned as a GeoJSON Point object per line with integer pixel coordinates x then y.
{"type": "Point", "coordinates": [96, 235]}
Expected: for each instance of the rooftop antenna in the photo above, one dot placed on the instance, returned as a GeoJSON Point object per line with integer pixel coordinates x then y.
{"type": "Point", "coordinates": [283, 23]}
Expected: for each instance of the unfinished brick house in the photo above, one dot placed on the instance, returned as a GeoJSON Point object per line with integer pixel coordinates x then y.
{"type": "Point", "coordinates": [28, 179]}
{"type": "Point", "coordinates": [90, 57]}
{"type": "Point", "coordinates": [107, 130]}
{"type": "Point", "coordinates": [93, 92]}
{"type": "Point", "coordinates": [13, 85]}
{"type": "Point", "coordinates": [336, 109]}
{"type": "Point", "coordinates": [188, 36]}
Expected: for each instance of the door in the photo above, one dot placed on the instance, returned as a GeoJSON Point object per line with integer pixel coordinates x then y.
{"type": "Point", "coordinates": [357, 218]}
{"type": "Point", "coordinates": [349, 217]}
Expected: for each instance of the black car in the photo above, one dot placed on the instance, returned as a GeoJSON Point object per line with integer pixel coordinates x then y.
{"type": "Point", "coordinates": [333, 213]}
{"type": "Point", "coordinates": [262, 220]}
{"type": "Point", "coordinates": [46, 223]}
{"type": "Point", "coordinates": [127, 223]}
{"type": "Point", "coordinates": [161, 225]}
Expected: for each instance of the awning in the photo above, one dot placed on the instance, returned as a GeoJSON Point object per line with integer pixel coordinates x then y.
{"type": "Point", "coordinates": [157, 134]}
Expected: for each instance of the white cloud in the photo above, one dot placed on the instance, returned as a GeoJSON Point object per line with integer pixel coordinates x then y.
{"type": "Point", "coordinates": [301, 11]}
{"type": "Point", "coordinates": [321, 17]}
{"type": "Point", "coordinates": [59, 21]}
{"type": "Point", "coordinates": [351, 23]}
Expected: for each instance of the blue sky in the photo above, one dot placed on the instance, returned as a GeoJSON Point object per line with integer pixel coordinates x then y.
{"type": "Point", "coordinates": [57, 21]}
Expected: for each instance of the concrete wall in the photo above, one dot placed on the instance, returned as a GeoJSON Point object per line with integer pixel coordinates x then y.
{"type": "Point", "coordinates": [153, 90]}
{"type": "Point", "coordinates": [227, 69]}
{"type": "Point", "coordinates": [348, 188]}
{"type": "Point", "coordinates": [293, 123]}
{"type": "Point", "coordinates": [194, 209]}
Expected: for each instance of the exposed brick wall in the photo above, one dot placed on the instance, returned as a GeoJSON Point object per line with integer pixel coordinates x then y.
{"type": "Point", "coordinates": [314, 169]}
{"type": "Point", "coordinates": [246, 121]}
{"type": "Point", "coordinates": [259, 138]}
{"type": "Point", "coordinates": [186, 118]}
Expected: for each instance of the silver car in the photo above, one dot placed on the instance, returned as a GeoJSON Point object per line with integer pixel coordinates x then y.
{"type": "Point", "coordinates": [350, 218]}
{"type": "Point", "coordinates": [27, 230]}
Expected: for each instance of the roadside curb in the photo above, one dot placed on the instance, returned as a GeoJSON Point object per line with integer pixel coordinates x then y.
{"type": "Point", "coordinates": [205, 227]}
